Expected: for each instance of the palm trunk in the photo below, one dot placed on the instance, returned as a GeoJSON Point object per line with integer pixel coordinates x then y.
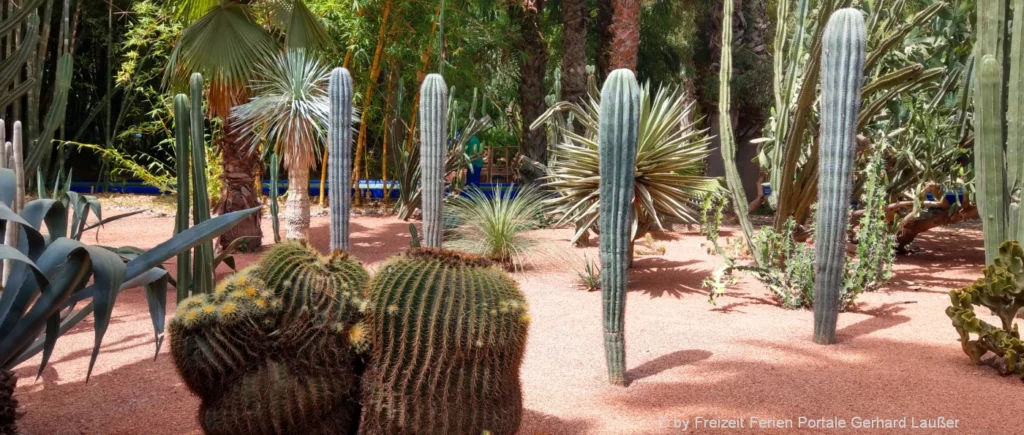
{"type": "Point", "coordinates": [532, 69]}
{"type": "Point", "coordinates": [238, 189]}
{"type": "Point", "coordinates": [574, 53]}
{"type": "Point", "coordinates": [296, 206]}
{"type": "Point", "coordinates": [625, 35]}
{"type": "Point", "coordinates": [605, 13]}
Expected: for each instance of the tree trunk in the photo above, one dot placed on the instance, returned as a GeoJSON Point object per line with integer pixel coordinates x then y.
{"type": "Point", "coordinates": [296, 206]}
{"type": "Point", "coordinates": [625, 30]}
{"type": "Point", "coordinates": [238, 189]}
{"type": "Point", "coordinates": [532, 68]}
{"type": "Point", "coordinates": [574, 53]}
{"type": "Point", "coordinates": [605, 13]}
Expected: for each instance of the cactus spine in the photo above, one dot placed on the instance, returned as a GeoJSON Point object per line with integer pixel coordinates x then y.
{"type": "Point", "coordinates": [448, 334]}
{"type": "Point", "coordinates": [842, 76]}
{"type": "Point", "coordinates": [203, 266]}
{"type": "Point", "coordinates": [339, 160]}
{"type": "Point", "coordinates": [433, 135]}
{"type": "Point", "coordinates": [181, 143]}
{"type": "Point", "coordinates": [617, 141]}
{"type": "Point", "coordinates": [999, 138]}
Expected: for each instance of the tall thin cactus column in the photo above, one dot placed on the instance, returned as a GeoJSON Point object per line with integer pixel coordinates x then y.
{"type": "Point", "coordinates": [339, 160]}
{"type": "Point", "coordinates": [16, 162]}
{"type": "Point", "coordinates": [617, 142]}
{"type": "Point", "coordinates": [203, 266]}
{"type": "Point", "coordinates": [181, 143]}
{"type": "Point", "coordinates": [433, 135]}
{"type": "Point", "coordinates": [842, 70]}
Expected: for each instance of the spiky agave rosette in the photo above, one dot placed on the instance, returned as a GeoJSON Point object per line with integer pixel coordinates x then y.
{"type": "Point", "coordinates": [449, 331]}
{"type": "Point", "coordinates": [275, 349]}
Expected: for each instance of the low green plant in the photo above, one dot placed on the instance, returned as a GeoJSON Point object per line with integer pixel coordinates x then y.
{"type": "Point", "coordinates": [590, 276]}
{"type": "Point", "coordinates": [1000, 291]}
{"type": "Point", "coordinates": [493, 226]}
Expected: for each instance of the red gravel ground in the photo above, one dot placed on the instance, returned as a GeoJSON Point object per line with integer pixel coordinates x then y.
{"type": "Point", "coordinates": [689, 361]}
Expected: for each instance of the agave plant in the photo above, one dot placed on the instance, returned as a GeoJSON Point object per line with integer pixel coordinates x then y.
{"type": "Point", "coordinates": [55, 280]}
{"type": "Point", "coordinates": [493, 226]}
{"type": "Point", "coordinates": [669, 163]}
{"type": "Point", "coordinates": [287, 117]}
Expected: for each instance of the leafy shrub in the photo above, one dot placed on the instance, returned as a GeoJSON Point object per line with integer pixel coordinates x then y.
{"type": "Point", "coordinates": [1001, 291]}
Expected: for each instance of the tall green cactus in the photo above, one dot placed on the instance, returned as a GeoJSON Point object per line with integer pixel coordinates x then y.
{"type": "Point", "coordinates": [433, 135]}
{"type": "Point", "coordinates": [448, 336]}
{"type": "Point", "coordinates": [617, 142]}
{"type": "Point", "coordinates": [203, 266]}
{"type": "Point", "coordinates": [339, 155]}
{"type": "Point", "coordinates": [275, 186]}
{"type": "Point", "coordinates": [17, 163]}
{"type": "Point", "coordinates": [842, 68]}
{"type": "Point", "coordinates": [181, 143]}
{"type": "Point", "coordinates": [275, 350]}
{"type": "Point", "coordinates": [999, 113]}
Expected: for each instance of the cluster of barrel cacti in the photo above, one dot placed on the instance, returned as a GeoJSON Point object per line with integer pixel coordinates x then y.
{"type": "Point", "coordinates": [281, 347]}
{"type": "Point", "coordinates": [288, 331]}
{"type": "Point", "coordinates": [194, 277]}
{"type": "Point", "coordinates": [842, 73]}
{"type": "Point", "coordinates": [1000, 291]}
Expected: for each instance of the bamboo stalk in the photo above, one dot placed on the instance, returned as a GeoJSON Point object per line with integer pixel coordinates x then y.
{"type": "Point", "coordinates": [368, 99]}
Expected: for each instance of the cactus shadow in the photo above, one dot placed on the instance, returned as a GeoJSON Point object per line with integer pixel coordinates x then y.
{"type": "Point", "coordinates": [882, 317]}
{"type": "Point", "coordinates": [658, 277]}
{"type": "Point", "coordinates": [372, 239]}
{"type": "Point", "coordinates": [666, 362]}
{"type": "Point", "coordinates": [539, 423]}
{"type": "Point", "coordinates": [747, 300]}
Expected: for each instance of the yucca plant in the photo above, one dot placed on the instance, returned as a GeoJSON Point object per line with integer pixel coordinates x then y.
{"type": "Point", "coordinates": [493, 226]}
{"type": "Point", "coordinates": [669, 163]}
{"type": "Point", "coordinates": [287, 116]}
{"type": "Point", "coordinates": [53, 274]}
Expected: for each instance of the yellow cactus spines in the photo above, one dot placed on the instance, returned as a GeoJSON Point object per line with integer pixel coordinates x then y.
{"type": "Point", "coordinates": [358, 337]}
{"type": "Point", "coordinates": [450, 333]}
{"type": "Point", "coordinates": [283, 324]}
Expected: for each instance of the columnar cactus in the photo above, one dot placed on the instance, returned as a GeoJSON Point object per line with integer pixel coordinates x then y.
{"type": "Point", "coordinates": [202, 274]}
{"type": "Point", "coordinates": [181, 146]}
{"type": "Point", "coordinates": [617, 142]}
{"type": "Point", "coordinates": [842, 72]}
{"type": "Point", "coordinates": [339, 155]}
{"type": "Point", "coordinates": [16, 162]}
{"type": "Point", "coordinates": [999, 132]}
{"type": "Point", "coordinates": [275, 349]}
{"type": "Point", "coordinates": [448, 336]}
{"type": "Point", "coordinates": [433, 138]}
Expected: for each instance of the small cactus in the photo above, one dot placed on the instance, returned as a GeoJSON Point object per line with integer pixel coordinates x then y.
{"type": "Point", "coordinates": [339, 155]}
{"type": "Point", "coordinates": [617, 143]}
{"type": "Point", "coordinates": [842, 73]}
{"type": "Point", "coordinates": [448, 335]}
{"type": "Point", "coordinates": [291, 323]}
{"type": "Point", "coordinates": [433, 138]}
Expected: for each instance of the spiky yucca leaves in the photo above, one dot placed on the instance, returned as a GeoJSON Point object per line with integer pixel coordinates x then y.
{"type": "Point", "coordinates": [449, 331]}
{"type": "Point", "coordinates": [1001, 290]}
{"type": "Point", "coordinates": [493, 227]}
{"type": "Point", "coordinates": [275, 350]}
{"type": "Point", "coordinates": [669, 163]}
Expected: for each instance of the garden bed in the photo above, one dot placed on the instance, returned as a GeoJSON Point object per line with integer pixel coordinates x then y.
{"type": "Point", "coordinates": [744, 357]}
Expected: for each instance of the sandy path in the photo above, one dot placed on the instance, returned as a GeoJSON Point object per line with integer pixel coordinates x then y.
{"type": "Point", "coordinates": [745, 357]}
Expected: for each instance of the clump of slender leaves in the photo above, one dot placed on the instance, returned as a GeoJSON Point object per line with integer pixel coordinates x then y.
{"type": "Point", "coordinates": [494, 226]}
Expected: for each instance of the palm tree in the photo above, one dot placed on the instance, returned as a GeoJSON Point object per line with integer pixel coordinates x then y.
{"type": "Point", "coordinates": [574, 52]}
{"type": "Point", "coordinates": [618, 22]}
{"type": "Point", "coordinates": [287, 115]}
{"type": "Point", "coordinates": [526, 15]}
{"type": "Point", "coordinates": [225, 43]}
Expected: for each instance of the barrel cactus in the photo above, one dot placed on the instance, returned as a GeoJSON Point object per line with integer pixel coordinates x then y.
{"type": "Point", "coordinates": [276, 348]}
{"type": "Point", "coordinates": [617, 143]}
{"type": "Point", "coordinates": [339, 155]}
{"type": "Point", "coordinates": [448, 335]}
{"type": "Point", "coordinates": [842, 73]}
{"type": "Point", "coordinates": [433, 138]}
